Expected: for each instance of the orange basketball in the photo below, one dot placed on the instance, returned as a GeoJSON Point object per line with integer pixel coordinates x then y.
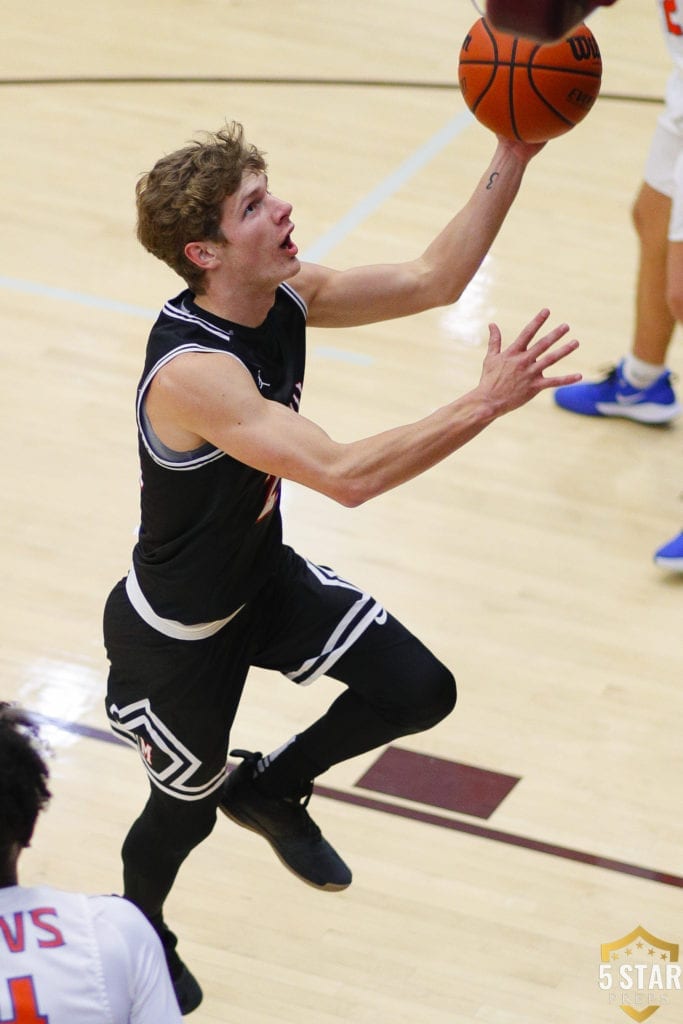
{"type": "Point", "coordinates": [524, 90]}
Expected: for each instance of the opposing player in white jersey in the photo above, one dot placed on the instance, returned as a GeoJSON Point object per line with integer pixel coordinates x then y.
{"type": "Point", "coordinates": [66, 958]}
{"type": "Point", "coordinates": [639, 388]}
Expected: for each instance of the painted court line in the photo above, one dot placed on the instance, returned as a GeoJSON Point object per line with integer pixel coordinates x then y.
{"type": "Point", "coordinates": [508, 838]}
{"type": "Point", "coordinates": [430, 818]}
{"type": "Point", "coordinates": [320, 248]}
{"type": "Point", "coordinates": [44, 291]}
{"type": "Point", "coordinates": [395, 181]}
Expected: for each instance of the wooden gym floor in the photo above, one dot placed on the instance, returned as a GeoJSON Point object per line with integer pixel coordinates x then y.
{"type": "Point", "coordinates": [547, 820]}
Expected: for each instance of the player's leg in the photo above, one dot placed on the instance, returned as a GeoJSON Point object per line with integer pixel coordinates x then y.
{"type": "Point", "coordinates": [639, 387]}
{"type": "Point", "coordinates": [669, 555]}
{"type": "Point", "coordinates": [654, 322]}
{"type": "Point", "coordinates": [395, 686]}
{"type": "Point", "coordinates": [158, 842]}
{"type": "Point", "coordinates": [174, 701]}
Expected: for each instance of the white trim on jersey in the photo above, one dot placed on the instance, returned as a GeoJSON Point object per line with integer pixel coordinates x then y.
{"type": "Point", "coordinates": [171, 627]}
{"type": "Point", "coordinates": [293, 294]}
{"type": "Point", "coordinates": [183, 313]}
{"type": "Point", "coordinates": [192, 461]}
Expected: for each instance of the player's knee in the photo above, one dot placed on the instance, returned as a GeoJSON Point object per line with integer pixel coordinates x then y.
{"type": "Point", "coordinates": [179, 825]}
{"type": "Point", "coordinates": [641, 212]}
{"type": "Point", "coordinates": [440, 696]}
{"type": "Point", "coordinates": [674, 298]}
{"type": "Point", "coordinates": [429, 698]}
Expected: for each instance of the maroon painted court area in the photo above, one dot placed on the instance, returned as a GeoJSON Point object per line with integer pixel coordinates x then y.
{"type": "Point", "coordinates": [438, 783]}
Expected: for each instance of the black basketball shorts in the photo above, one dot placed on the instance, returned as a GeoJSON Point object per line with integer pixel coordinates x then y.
{"type": "Point", "coordinates": [175, 700]}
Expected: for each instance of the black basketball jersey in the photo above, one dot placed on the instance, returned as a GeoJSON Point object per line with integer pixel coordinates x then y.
{"type": "Point", "coordinates": [210, 525]}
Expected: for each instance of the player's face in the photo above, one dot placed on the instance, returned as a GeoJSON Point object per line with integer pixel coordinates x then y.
{"type": "Point", "coordinates": [258, 230]}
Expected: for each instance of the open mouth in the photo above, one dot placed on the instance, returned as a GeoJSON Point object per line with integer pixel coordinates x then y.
{"type": "Point", "coordinates": [289, 246]}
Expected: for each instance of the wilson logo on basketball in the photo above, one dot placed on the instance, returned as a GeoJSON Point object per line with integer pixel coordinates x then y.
{"type": "Point", "coordinates": [584, 47]}
{"type": "Point", "coordinates": [526, 91]}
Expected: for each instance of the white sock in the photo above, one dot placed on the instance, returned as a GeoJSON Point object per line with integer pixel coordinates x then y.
{"type": "Point", "coordinates": [640, 374]}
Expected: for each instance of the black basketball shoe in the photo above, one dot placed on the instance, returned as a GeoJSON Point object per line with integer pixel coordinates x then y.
{"type": "Point", "coordinates": [187, 989]}
{"type": "Point", "coordinates": [286, 824]}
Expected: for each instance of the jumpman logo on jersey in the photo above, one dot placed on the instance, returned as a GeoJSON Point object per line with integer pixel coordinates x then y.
{"type": "Point", "coordinates": [260, 381]}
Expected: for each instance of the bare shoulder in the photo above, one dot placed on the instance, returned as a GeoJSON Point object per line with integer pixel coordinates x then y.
{"type": "Point", "coordinates": [200, 371]}
{"type": "Point", "coordinates": [194, 393]}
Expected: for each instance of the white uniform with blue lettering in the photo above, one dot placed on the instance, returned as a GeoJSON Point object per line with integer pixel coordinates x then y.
{"type": "Point", "coordinates": [66, 958]}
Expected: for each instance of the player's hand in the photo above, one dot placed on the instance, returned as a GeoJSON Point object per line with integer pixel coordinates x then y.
{"type": "Point", "coordinates": [522, 151]}
{"type": "Point", "coordinates": [511, 377]}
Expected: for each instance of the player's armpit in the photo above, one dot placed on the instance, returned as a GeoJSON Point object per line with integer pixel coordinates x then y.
{"type": "Point", "coordinates": [212, 397]}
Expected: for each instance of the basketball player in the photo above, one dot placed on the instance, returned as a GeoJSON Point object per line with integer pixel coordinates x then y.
{"type": "Point", "coordinates": [213, 589]}
{"type": "Point", "coordinates": [639, 388]}
{"type": "Point", "coordinates": [65, 957]}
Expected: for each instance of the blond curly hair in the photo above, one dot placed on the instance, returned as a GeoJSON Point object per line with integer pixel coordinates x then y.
{"type": "Point", "coordinates": [180, 199]}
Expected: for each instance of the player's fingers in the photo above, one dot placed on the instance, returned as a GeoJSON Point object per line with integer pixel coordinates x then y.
{"type": "Point", "coordinates": [527, 333]}
{"type": "Point", "coordinates": [550, 359]}
{"type": "Point", "coordinates": [541, 345]}
{"type": "Point", "coordinates": [495, 338]}
{"type": "Point", "coordinates": [555, 355]}
{"type": "Point", "coordinates": [560, 382]}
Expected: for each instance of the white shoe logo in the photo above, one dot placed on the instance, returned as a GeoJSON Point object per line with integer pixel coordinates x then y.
{"type": "Point", "coordinates": [630, 399]}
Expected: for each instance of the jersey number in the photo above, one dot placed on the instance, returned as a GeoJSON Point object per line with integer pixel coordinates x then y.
{"type": "Point", "coordinates": [272, 492]}
{"type": "Point", "coordinates": [24, 1003]}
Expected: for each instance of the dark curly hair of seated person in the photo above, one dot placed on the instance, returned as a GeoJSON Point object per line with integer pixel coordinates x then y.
{"type": "Point", "coordinates": [24, 777]}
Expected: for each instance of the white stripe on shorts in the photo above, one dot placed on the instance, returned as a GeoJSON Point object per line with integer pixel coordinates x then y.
{"type": "Point", "coordinates": [358, 618]}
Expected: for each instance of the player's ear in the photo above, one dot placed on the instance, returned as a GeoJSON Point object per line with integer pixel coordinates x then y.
{"type": "Point", "coordinates": [202, 254]}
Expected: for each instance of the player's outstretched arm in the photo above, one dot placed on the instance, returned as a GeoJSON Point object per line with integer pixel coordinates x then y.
{"type": "Point", "coordinates": [440, 274]}
{"type": "Point", "coordinates": [212, 397]}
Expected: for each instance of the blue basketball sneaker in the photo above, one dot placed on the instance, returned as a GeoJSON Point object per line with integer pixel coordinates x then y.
{"type": "Point", "coordinates": [614, 396]}
{"type": "Point", "coordinates": [670, 555]}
